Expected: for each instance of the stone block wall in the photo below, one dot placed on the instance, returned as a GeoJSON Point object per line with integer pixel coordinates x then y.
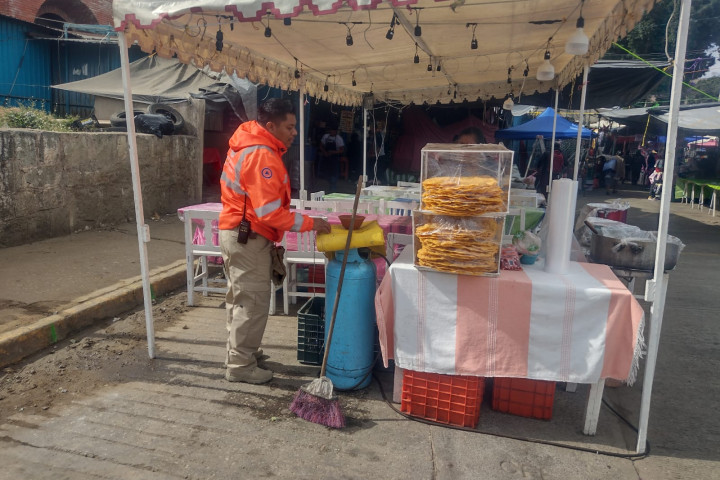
{"type": "Point", "coordinates": [53, 184]}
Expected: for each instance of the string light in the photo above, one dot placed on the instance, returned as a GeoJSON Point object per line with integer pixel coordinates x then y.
{"type": "Point", "coordinates": [430, 69]}
{"type": "Point", "coordinates": [297, 72]}
{"type": "Point", "coordinates": [268, 31]}
{"type": "Point", "coordinates": [473, 42]}
{"type": "Point", "coordinates": [326, 88]}
{"type": "Point", "coordinates": [546, 71]}
{"type": "Point", "coordinates": [416, 59]}
{"type": "Point", "coordinates": [349, 39]}
{"type": "Point", "coordinates": [418, 28]}
{"type": "Point", "coordinates": [509, 79]}
{"type": "Point", "coordinates": [287, 21]}
{"type": "Point", "coordinates": [391, 31]}
{"type": "Point", "coordinates": [578, 42]}
{"type": "Point", "coordinates": [354, 83]}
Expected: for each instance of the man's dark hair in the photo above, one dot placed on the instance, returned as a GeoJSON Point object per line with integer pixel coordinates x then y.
{"type": "Point", "coordinates": [475, 132]}
{"type": "Point", "coordinates": [274, 110]}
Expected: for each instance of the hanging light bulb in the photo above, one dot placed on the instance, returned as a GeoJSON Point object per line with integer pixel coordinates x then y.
{"type": "Point", "coordinates": [508, 104]}
{"type": "Point", "coordinates": [429, 67]}
{"type": "Point", "coordinates": [354, 83]}
{"type": "Point", "coordinates": [268, 31]}
{"type": "Point", "coordinates": [418, 28]}
{"type": "Point", "coordinates": [578, 42]}
{"type": "Point", "coordinates": [416, 59]}
{"type": "Point", "coordinates": [473, 42]}
{"type": "Point", "coordinates": [348, 38]}
{"type": "Point", "coordinates": [546, 71]}
{"type": "Point", "coordinates": [438, 68]}
{"type": "Point", "coordinates": [391, 30]}
{"type": "Point", "coordinates": [287, 21]}
{"type": "Point", "coordinates": [325, 88]}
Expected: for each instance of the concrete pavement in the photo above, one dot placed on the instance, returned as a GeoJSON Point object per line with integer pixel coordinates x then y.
{"type": "Point", "coordinates": [175, 417]}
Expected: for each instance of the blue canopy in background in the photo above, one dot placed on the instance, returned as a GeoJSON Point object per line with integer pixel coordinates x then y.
{"type": "Point", "coordinates": [543, 125]}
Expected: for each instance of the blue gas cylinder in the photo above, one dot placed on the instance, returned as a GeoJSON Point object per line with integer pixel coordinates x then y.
{"type": "Point", "coordinates": [351, 354]}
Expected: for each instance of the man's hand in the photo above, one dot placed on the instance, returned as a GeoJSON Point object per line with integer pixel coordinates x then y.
{"type": "Point", "coordinates": [320, 225]}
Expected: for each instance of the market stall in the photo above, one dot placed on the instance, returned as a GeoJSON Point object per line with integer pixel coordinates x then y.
{"type": "Point", "coordinates": [220, 34]}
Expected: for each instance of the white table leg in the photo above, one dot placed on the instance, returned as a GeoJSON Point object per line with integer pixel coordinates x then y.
{"type": "Point", "coordinates": [702, 197]}
{"type": "Point", "coordinates": [712, 203]}
{"type": "Point", "coordinates": [692, 196]}
{"type": "Point", "coordinates": [593, 407]}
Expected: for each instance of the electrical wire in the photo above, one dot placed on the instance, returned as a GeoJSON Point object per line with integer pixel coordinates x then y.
{"type": "Point", "coordinates": [630, 456]}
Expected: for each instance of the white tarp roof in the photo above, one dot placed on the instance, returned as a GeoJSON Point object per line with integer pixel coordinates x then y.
{"type": "Point", "coordinates": [510, 34]}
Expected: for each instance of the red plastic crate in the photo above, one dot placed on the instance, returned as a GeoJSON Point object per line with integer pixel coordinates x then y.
{"type": "Point", "coordinates": [527, 398]}
{"type": "Point", "coordinates": [450, 399]}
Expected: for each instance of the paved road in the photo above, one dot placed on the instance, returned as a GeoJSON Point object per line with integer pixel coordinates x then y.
{"type": "Point", "coordinates": [175, 417]}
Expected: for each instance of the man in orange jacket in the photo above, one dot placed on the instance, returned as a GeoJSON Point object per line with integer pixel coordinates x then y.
{"type": "Point", "coordinates": [255, 191]}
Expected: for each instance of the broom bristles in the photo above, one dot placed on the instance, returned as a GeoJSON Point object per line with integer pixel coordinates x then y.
{"type": "Point", "coordinates": [322, 411]}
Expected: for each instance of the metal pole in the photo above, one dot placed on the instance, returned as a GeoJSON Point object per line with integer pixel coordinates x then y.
{"type": "Point", "coordinates": [657, 288]}
{"type": "Point", "coordinates": [552, 142]}
{"type": "Point", "coordinates": [143, 230]}
{"type": "Point", "coordinates": [364, 146]}
{"type": "Point", "coordinates": [580, 123]}
{"type": "Point", "coordinates": [301, 110]}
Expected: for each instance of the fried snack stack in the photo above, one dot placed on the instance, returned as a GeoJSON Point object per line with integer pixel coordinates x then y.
{"type": "Point", "coordinates": [462, 196]}
{"type": "Point", "coordinates": [459, 245]}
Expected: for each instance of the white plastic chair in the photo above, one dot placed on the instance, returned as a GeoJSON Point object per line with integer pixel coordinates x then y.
{"type": "Point", "coordinates": [364, 208]}
{"type": "Point", "coordinates": [317, 195]}
{"type": "Point", "coordinates": [320, 205]}
{"type": "Point", "coordinates": [395, 207]}
{"type": "Point", "coordinates": [306, 254]}
{"type": "Point", "coordinates": [201, 251]}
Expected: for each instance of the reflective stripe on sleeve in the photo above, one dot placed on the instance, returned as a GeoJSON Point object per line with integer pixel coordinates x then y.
{"type": "Point", "coordinates": [245, 152]}
{"type": "Point", "coordinates": [232, 184]}
{"type": "Point", "coordinates": [268, 208]}
{"type": "Point", "coordinates": [299, 219]}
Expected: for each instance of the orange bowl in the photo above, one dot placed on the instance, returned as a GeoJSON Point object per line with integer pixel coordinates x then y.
{"type": "Point", "coordinates": [345, 221]}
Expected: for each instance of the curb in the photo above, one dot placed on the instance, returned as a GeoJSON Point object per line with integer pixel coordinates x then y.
{"type": "Point", "coordinates": [84, 311]}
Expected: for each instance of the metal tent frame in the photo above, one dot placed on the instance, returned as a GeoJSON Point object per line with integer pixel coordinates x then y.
{"type": "Point", "coordinates": [656, 288]}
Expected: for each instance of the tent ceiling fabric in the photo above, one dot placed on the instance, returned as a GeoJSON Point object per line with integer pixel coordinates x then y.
{"type": "Point", "coordinates": [511, 33]}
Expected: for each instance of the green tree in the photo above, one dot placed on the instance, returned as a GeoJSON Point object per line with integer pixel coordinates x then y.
{"type": "Point", "coordinates": [648, 36]}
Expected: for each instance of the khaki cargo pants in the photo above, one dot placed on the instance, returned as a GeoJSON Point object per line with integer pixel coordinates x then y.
{"type": "Point", "coordinates": [248, 269]}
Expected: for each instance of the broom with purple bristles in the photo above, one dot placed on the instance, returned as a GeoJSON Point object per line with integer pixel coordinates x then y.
{"type": "Point", "coordinates": [316, 402]}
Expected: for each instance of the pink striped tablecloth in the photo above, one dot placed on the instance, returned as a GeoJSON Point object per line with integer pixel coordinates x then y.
{"type": "Point", "coordinates": [580, 327]}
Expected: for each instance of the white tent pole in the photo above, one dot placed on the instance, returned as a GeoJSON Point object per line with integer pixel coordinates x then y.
{"type": "Point", "coordinates": [580, 123]}
{"type": "Point", "coordinates": [303, 193]}
{"type": "Point", "coordinates": [143, 230]}
{"type": "Point", "coordinates": [552, 142]}
{"type": "Point", "coordinates": [657, 288]}
{"type": "Point", "coordinates": [364, 146]}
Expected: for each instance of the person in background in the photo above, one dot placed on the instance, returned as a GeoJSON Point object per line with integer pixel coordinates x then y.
{"type": "Point", "coordinates": [255, 193]}
{"type": "Point", "coordinates": [332, 147]}
{"type": "Point", "coordinates": [609, 170]}
{"type": "Point", "coordinates": [656, 182]}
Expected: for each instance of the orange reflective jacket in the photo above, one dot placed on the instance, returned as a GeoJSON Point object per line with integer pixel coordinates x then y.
{"type": "Point", "coordinates": [254, 173]}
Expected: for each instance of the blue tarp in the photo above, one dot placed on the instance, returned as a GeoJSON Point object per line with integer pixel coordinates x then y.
{"type": "Point", "coordinates": [543, 125]}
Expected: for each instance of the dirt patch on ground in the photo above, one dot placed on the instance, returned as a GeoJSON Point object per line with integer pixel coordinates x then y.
{"type": "Point", "coordinates": [97, 356]}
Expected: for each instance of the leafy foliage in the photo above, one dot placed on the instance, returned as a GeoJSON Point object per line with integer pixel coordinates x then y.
{"type": "Point", "coordinates": [29, 117]}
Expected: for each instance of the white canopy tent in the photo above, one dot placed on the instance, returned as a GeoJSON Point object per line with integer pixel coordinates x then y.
{"type": "Point", "coordinates": [352, 52]}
